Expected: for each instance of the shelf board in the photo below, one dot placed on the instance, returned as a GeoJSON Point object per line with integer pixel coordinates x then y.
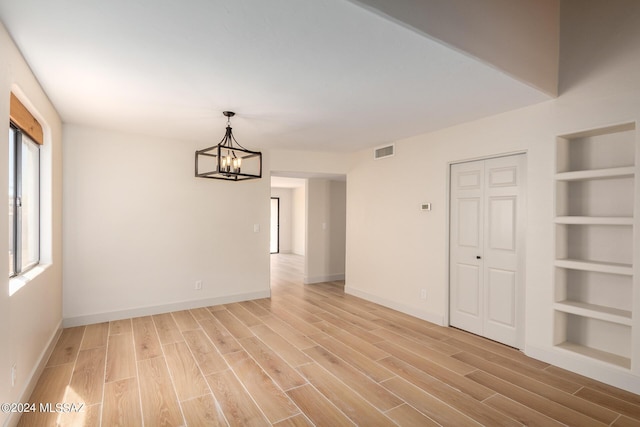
{"type": "Point", "coordinates": [600, 267]}
{"type": "Point", "coordinates": [595, 220]}
{"type": "Point", "coordinates": [603, 356]}
{"type": "Point", "coordinates": [609, 314]}
{"type": "Point", "coordinates": [621, 172]}
{"type": "Point", "coordinates": [599, 131]}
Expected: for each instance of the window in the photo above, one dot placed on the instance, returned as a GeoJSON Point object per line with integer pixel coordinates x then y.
{"type": "Point", "coordinates": [24, 202]}
{"type": "Point", "coordinates": [25, 137]}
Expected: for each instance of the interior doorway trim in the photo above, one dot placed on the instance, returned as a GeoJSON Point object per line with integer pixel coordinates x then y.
{"type": "Point", "coordinates": [276, 226]}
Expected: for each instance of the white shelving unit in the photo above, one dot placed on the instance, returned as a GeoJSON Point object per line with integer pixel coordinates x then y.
{"type": "Point", "coordinates": [620, 172]}
{"type": "Point", "coordinates": [590, 220]}
{"type": "Point", "coordinates": [595, 221]}
{"type": "Point", "coordinates": [598, 267]}
{"type": "Point", "coordinates": [609, 314]}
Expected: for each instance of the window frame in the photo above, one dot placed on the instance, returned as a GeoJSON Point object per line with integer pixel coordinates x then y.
{"type": "Point", "coordinates": [16, 179]}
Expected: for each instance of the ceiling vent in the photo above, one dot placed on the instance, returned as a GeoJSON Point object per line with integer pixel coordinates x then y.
{"type": "Point", "coordinates": [382, 152]}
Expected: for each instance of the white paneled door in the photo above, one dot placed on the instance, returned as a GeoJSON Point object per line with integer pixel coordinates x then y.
{"type": "Point", "coordinates": [487, 241]}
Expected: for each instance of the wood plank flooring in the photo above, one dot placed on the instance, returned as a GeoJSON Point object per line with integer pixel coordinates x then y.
{"type": "Point", "coordinates": [309, 355]}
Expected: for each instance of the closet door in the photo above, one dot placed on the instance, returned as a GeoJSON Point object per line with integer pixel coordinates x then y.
{"type": "Point", "coordinates": [486, 248]}
{"type": "Point", "coordinates": [466, 246]}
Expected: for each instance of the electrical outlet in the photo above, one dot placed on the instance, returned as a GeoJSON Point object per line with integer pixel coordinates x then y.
{"type": "Point", "coordinates": [423, 294]}
{"type": "Point", "coordinates": [14, 374]}
{"type": "Point", "coordinates": [198, 286]}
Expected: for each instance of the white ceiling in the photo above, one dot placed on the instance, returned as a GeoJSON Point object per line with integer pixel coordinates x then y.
{"type": "Point", "coordinates": [300, 74]}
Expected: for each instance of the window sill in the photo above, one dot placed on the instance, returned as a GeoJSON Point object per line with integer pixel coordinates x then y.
{"type": "Point", "coordinates": [16, 283]}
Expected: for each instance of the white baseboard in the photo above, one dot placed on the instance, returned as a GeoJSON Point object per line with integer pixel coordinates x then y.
{"type": "Point", "coordinates": [34, 375]}
{"type": "Point", "coordinates": [159, 309]}
{"type": "Point", "coordinates": [411, 311]}
{"type": "Point", "coordinates": [583, 365]}
{"type": "Point", "coordinates": [321, 279]}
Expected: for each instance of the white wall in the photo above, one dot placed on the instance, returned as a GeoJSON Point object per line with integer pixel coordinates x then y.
{"type": "Point", "coordinates": [307, 163]}
{"type": "Point", "coordinates": [519, 38]}
{"type": "Point", "coordinates": [31, 317]}
{"type": "Point", "coordinates": [286, 218]}
{"type": "Point", "coordinates": [337, 228]}
{"type": "Point", "coordinates": [140, 229]}
{"type": "Point", "coordinates": [299, 220]}
{"type": "Point", "coordinates": [326, 222]}
{"type": "Point", "coordinates": [394, 249]}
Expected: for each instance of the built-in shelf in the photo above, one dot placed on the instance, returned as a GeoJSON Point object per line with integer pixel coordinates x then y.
{"type": "Point", "coordinates": [622, 172]}
{"type": "Point", "coordinates": [600, 267]}
{"type": "Point", "coordinates": [594, 310]}
{"type": "Point", "coordinates": [594, 220]}
{"type": "Point", "coordinates": [603, 356]}
{"type": "Point", "coordinates": [609, 314]}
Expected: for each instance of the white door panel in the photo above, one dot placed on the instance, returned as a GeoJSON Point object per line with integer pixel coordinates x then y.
{"type": "Point", "coordinates": [503, 177]}
{"type": "Point", "coordinates": [502, 221]}
{"type": "Point", "coordinates": [470, 180]}
{"type": "Point", "coordinates": [469, 222]}
{"type": "Point", "coordinates": [468, 289]}
{"type": "Point", "coordinates": [501, 293]}
{"type": "Point", "coordinates": [487, 248]}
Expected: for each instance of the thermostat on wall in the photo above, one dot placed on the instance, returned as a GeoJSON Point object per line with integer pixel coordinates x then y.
{"type": "Point", "coordinates": [425, 207]}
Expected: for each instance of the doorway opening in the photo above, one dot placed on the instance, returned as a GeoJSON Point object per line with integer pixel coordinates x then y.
{"type": "Point", "coordinates": [312, 224]}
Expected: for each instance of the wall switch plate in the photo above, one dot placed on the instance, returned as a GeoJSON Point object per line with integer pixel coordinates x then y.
{"type": "Point", "coordinates": [256, 228]}
{"type": "Point", "coordinates": [423, 294]}
{"type": "Point", "coordinates": [198, 286]}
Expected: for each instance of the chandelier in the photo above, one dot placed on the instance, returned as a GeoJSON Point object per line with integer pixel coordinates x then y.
{"type": "Point", "coordinates": [228, 159]}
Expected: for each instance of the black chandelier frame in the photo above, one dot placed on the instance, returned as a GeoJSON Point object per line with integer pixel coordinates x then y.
{"type": "Point", "coordinates": [228, 157]}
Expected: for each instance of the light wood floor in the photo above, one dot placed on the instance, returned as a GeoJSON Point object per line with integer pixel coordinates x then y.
{"type": "Point", "coordinates": [310, 355]}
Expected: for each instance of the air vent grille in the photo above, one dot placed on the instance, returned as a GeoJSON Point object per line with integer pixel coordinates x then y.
{"type": "Point", "coordinates": [382, 152]}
